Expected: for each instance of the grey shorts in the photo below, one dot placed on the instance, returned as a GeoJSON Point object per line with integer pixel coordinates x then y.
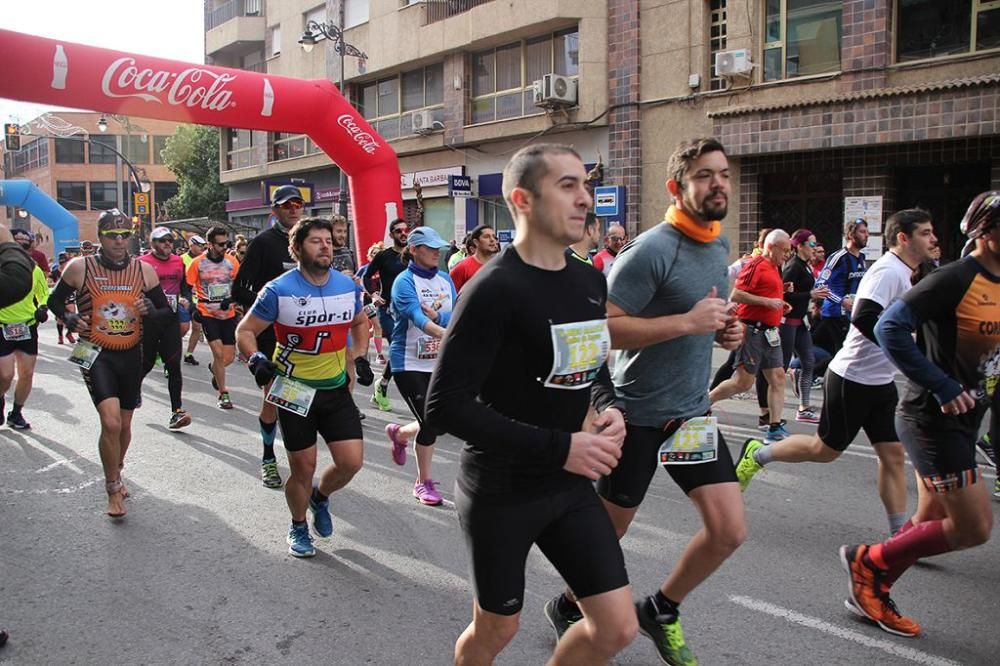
{"type": "Point", "coordinates": [756, 353]}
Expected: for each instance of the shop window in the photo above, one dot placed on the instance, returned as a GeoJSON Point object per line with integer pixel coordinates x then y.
{"type": "Point", "coordinates": [937, 28]}
{"type": "Point", "coordinates": [503, 78]}
{"type": "Point", "coordinates": [801, 37]}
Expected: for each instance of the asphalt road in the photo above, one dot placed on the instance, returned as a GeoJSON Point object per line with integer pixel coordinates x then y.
{"type": "Point", "coordinates": [199, 572]}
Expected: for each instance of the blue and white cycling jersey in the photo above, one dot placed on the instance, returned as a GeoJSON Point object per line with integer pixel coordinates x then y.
{"type": "Point", "coordinates": [412, 349]}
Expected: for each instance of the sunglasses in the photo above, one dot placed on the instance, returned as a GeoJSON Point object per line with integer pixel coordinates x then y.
{"type": "Point", "coordinates": [618, 239]}
{"type": "Point", "coordinates": [116, 235]}
{"type": "Point", "coordinates": [291, 205]}
{"type": "Point", "coordinates": [812, 243]}
{"type": "Point", "coordinates": [165, 239]}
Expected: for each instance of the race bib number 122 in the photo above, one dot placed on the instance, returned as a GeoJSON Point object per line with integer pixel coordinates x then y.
{"type": "Point", "coordinates": [579, 349]}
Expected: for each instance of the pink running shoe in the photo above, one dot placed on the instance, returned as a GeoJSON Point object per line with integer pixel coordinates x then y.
{"type": "Point", "coordinates": [398, 444]}
{"type": "Point", "coordinates": [426, 493]}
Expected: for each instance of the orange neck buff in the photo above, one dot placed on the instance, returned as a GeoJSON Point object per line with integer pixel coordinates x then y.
{"type": "Point", "coordinates": [687, 226]}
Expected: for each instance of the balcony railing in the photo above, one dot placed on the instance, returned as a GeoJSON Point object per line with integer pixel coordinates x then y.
{"type": "Point", "coordinates": [230, 10]}
{"type": "Point", "coordinates": [439, 10]}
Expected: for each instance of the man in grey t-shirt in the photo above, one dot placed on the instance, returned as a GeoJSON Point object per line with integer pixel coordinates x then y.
{"type": "Point", "coordinates": [343, 256]}
{"type": "Point", "coordinates": [664, 314]}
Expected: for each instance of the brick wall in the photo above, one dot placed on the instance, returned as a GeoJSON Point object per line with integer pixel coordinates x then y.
{"type": "Point", "coordinates": [865, 44]}
{"type": "Point", "coordinates": [625, 160]}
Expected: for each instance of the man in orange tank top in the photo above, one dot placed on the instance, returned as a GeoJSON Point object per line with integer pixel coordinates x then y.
{"type": "Point", "coordinates": [114, 292]}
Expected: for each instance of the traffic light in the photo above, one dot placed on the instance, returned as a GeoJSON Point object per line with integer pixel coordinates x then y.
{"type": "Point", "coordinates": [11, 136]}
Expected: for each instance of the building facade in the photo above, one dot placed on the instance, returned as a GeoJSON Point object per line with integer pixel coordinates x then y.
{"type": "Point", "coordinates": [83, 171]}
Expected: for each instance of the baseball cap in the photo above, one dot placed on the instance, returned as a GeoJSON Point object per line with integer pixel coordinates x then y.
{"type": "Point", "coordinates": [427, 237]}
{"type": "Point", "coordinates": [21, 232]}
{"type": "Point", "coordinates": [285, 193]}
{"type": "Point", "coordinates": [161, 232]}
{"type": "Point", "coordinates": [86, 244]}
{"type": "Point", "coordinates": [197, 240]}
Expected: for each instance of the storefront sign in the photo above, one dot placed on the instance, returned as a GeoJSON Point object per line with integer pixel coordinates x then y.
{"type": "Point", "coordinates": [431, 178]}
{"type": "Point", "coordinates": [460, 186]}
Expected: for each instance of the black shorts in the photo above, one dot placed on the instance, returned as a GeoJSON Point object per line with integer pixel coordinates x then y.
{"type": "Point", "coordinates": [219, 329]}
{"type": "Point", "coordinates": [944, 458]}
{"type": "Point", "coordinates": [116, 374]}
{"type": "Point", "coordinates": [627, 484]}
{"type": "Point", "coordinates": [413, 387]}
{"type": "Point", "coordinates": [29, 346]}
{"type": "Point", "coordinates": [332, 415]}
{"type": "Point", "coordinates": [849, 406]}
{"type": "Point", "coordinates": [571, 528]}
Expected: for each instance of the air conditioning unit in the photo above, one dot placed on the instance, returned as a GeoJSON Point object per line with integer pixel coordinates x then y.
{"type": "Point", "coordinates": [555, 90]}
{"type": "Point", "coordinates": [423, 122]}
{"type": "Point", "coordinates": [733, 63]}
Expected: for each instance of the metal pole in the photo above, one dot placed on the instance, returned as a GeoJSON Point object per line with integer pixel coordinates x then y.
{"type": "Point", "coordinates": [342, 195]}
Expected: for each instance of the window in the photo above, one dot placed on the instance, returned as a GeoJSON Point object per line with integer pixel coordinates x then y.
{"type": "Point", "coordinates": [99, 151]}
{"type": "Point", "coordinates": [495, 213]}
{"type": "Point", "coordinates": [285, 145]}
{"type": "Point", "coordinates": [136, 148]}
{"type": "Point", "coordinates": [318, 15]}
{"type": "Point", "coordinates": [162, 192]}
{"type": "Point", "coordinates": [69, 151]}
{"type": "Point", "coordinates": [31, 156]}
{"type": "Point", "coordinates": [239, 149]}
{"type": "Point", "coordinates": [275, 35]}
{"type": "Point", "coordinates": [355, 12]}
{"type": "Point", "coordinates": [716, 40]}
{"type": "Point", "coordinates": [390, 104]}
{"type": "Point", "coordinates": [71, 194]}
{"type": "Point", "coordinates": [935, 28]}
{"type": "Point", "coordinates": [502, 78]}
{"type": "Point", "coordinates": [801, 37]}
{"type": "Point", "coordinates": [103, 196]}
{"type": "Point", "coordinates": [159, 143]}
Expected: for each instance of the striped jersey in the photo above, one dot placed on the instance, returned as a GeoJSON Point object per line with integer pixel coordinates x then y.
{"type": "Point", "coordinates": [108, 297]}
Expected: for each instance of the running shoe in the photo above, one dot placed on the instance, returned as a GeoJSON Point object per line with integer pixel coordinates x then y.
{"type": "Point", "coordinates": [794, 374]}
{"type": "Point", "coordinates": [996, 489]}
{"type": "Point", "coordinates": [807, 415]}
{"type": "Point", "coordinates": [764, 422]}
{"type": "Point", "coordinates": [398, 444]}
{"type": "Point", "coordinates": [667, 635]}
{"type": "Point", "coordinates": [191, 360]}
{"type": "Point", "coordinates": [16, 420]}
{"type": "Point", "coordinates": [747, 467]}
{"type": "Point", "coordinates": [70, 339]}
{"type": "Point", "coordinates": [776, 434]}
{"type": "Point", "coordinates": [869, 596]}
{"type": "Point", "coordinates": [269, 473]}
{"type": "Point", "coordinates": [985, 446]}
{"type": "Point", "coordinates": [817, 383]}
{"type": "Point", "coordinates": [560, 623]}
{"type": "Point", "coordinates": [322, 520]}
{"type": "Point", "coordinates": [215, 384]}
{"type": "Point", "coordinates": [179, 419]}
{"type": "Point", "coordinates": [300, 543]}
{"type": "Point", "coordinates": [380, 359]}
{"type": "Point", "coordinates": [426, 493]}
{"type": "Point", "coordinates": [61, 341]}
{"type": "Point", "coordinates": [361, 414]}
{"type": "Point", "coordinates": [380, 399]}
{"type": "Point", "coordinates": [224, 401]}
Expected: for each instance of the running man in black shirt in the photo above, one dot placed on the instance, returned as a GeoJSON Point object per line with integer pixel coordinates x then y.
{"type": "Point", "coordinates": [522, 360]}
{"type": "Point", "coordinates": [953, 369]}
{"type": "Point", "coordinates": [267, 257]}
{"type": "Point", "coordinates": [386, 265]}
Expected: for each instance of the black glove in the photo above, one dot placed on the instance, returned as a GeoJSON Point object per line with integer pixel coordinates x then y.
{"type": "Point", "coordinates": [363, 371]}
{"type": "Point", "coordinates": [196, 314]}
{"type": "Point", "coordinates": [225, 303]}
{"type": "Point", "coordinates": [262, 369]}
{"type": "Point", "coordinates": [42, 314]}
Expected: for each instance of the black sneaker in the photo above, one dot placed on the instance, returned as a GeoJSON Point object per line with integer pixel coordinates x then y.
{"type": "Point", "coordinates": [764, 422]}
{"type": "Point", "coordinates": [560, 623]}
{"type": "Point", "coordinates": [666, 633]}
{"type": "Point", "coordinates": [179, 419]}
{"type": "Point", "coordinates": [15, 420]}
{"type": "Point", "coordinates": [985, 446]}
{"type": "Point", "coordinates": [191, 360]}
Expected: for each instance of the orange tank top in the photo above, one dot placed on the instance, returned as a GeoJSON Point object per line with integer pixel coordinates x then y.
{"type": "Point", "coordinates": [108, 297]}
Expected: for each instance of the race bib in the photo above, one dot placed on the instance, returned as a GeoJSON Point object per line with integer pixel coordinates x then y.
{"type": "Point", "coordinates": [172, 301]}
{"type": "Point", "coordinates": [579, 349]}
{"type": "Point", "coordinates": [16, 332]}
{"type": "Point", "coordinates": [291, 395]}
{"type": "Point", "coordinates": [772, 337]}
{"type": "Point", "coordinates": [218, 292]}
{"type": "Point", "coordinates": [84, 354]}
{"type": "Point", "coordinates": [695, 442]}
{"type": "Point", "coordinates": [427, 347]}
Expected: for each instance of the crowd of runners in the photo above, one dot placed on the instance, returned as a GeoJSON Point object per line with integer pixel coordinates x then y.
{"type": "Point", "coordinates": [571, 375]}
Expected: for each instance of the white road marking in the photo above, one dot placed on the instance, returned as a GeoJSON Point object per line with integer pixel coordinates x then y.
{"type": "Point", "coordinates": [59, 460]}
{"type": "Point", "coordinates": [888, 647]}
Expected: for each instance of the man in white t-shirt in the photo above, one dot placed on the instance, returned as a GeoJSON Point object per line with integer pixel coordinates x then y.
{"type": "Point", "coordinates": [860, 390]}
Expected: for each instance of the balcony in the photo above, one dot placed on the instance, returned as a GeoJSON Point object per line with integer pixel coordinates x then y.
{"type": "Point", "coordinates": [439, 10]}
{"type": "Point", "coordinates": [234, 28]}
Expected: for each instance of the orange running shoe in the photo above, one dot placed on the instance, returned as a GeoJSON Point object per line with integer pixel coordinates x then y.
{"type": "Point", "coordinates": [869, 597]}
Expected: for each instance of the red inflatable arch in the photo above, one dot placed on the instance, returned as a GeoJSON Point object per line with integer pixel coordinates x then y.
{"type": "Point", "coordinates": [62, 73]}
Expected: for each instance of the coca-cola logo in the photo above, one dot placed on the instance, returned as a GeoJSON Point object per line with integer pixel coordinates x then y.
{"type": "Point", "coordinates": [361, 137]}
{"type": "Point", "coordinates": [192, 87]}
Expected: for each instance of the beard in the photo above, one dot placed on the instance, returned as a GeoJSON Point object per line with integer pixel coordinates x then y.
{"type": "Point", "coordinates": [712, 211]}
{"type": "Point", "coordinates": [862, 243]}
{"type": "Point", "coordinates": [316, 264]}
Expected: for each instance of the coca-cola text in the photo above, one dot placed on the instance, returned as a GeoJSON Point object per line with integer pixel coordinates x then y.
{"type": "Point", "coordinates": [191, 87]}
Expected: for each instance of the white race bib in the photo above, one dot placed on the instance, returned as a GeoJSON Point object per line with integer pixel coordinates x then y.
{"type": "Point", "coordinates": [172, 302]}
{"type": "Point", "coordinates": [695, 442]}
{"type": "Point", "coordinates": [218, 292]}
{"type": "Point", "coordinates": [16, 332]}
{"type": "Point", "coordinates": [579, 349]}
{"type": "Point", "coordinates": [291, 395]}
{"type": "Point", "coordinates": [772, 337]}
{"type": "Point", "coordinates": [84, 354]}
{"type": "Point", "coordinates": [428, 347]}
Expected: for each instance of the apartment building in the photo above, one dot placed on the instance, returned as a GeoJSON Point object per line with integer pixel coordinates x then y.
{"type": "Point", "coordinates": [84, 171]}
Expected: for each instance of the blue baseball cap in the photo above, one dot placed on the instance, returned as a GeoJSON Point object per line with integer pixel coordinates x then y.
{"type": "Point", "coordinates": [427, 237]}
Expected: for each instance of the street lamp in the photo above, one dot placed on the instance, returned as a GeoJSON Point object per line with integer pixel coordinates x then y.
{"type": "Point", "coordinates": [336, 36]}
{"type": "Point", "coordinates": [102, 124]}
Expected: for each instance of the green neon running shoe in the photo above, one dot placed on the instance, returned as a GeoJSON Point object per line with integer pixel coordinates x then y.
{"type": "Point", "coordinates": [666, 633]}
{"type": "Point", "coordinates": [746, 466]}
{"type": "Point", "coordinates": [380, 399]}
